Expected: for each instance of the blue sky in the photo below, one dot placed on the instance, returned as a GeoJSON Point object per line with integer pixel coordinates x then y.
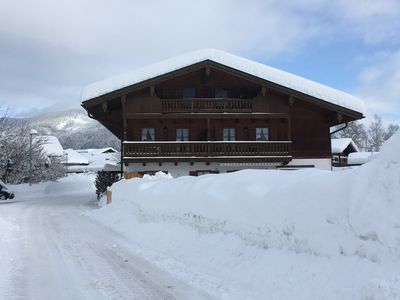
{"type": "Point", "coordinates": [51, 49]}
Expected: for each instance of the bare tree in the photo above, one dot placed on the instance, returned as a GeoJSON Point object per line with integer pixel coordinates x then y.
{"type": "Point", "coordinates": [392, 129]}
{"type": "Point", "coordinates": [356, 131]}
{"type": "Point", "coordinates": [376, 134]}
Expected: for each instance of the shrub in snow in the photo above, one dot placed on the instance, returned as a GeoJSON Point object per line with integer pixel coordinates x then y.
{"type": "Point", "coordinates": [103, 180]}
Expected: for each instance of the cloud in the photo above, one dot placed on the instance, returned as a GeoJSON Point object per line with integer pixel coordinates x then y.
{"type": "Point", "coordinates": [379, 85]}
{"type": "Point", "coordinates": [50, 49]}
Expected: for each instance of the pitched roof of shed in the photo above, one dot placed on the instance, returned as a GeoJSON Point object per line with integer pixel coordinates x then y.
{"type": "Point", "coordinates": [339, 145]}
{"type": "Point", "coordinates": [253, 68]}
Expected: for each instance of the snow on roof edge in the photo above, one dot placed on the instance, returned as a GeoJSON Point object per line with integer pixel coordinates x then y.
{"type": "Point", "coordinates": [256, 69]}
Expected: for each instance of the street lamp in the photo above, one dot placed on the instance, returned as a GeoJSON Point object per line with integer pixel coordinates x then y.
{"type": "Point", "coordinates": [31, 134]}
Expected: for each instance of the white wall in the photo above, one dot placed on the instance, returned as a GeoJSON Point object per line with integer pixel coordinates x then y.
{"type": "Point", "coordinates": [183, 168]}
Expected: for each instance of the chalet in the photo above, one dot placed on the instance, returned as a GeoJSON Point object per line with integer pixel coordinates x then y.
{"type": "Point", "coordinates": [210, 111]}
{"type": "Point", "coordinates": [341, 148]}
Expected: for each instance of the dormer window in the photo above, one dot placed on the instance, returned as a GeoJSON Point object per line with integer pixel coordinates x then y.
{"type": "Point", "coordinates": [221, 93]}
{"type": "Point", "coordinates": [189, 92]}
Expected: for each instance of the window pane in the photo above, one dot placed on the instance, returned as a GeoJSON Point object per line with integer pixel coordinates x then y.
{"type": "Point", "coordinates": [229, 134]}
{"type": "Point", "coordinates": [148, 134]}
{"type": "Point", "coordinates": [189, 92]}
{"type": "Point", "coordinates": [221, 93]}
{"type": "Point", "coordinates": [261, 134]}
{"type": "Point", "coordinates": [182, 134]}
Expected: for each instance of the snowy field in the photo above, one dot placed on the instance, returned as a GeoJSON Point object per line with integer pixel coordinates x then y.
{"type": "Point", "coordinates": [252, 234]}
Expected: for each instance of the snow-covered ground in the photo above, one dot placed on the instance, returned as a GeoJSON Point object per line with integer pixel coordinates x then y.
{"type": "Point", "coordinates": [305, 234]}
{"type": "Point", "coordinates": [50, 250]}
{"type": "Point", "coordinates": [254, 234]}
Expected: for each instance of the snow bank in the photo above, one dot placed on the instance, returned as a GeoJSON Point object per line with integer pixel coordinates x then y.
{"type": "Point", "coordinates": [360, 158]}
{"type": "Point", "coordinates": [282, 78]}
{"type": "Point", "coordinates": [306, 234]}
{"type": "Point", "coordinates": [375, 198]}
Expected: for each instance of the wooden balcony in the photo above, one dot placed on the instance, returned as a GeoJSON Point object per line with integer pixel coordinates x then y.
{"type": "Point", "coordinates": [221, 151]}
{"type": "Point", "coordinates": [206, 105]}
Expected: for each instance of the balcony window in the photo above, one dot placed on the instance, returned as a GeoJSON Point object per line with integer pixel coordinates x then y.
{"type": "Point", "coordinates": [221, 93]}
{"type": "Point", "coordinates": [182, 134]}
{"type": "Point", "coordinates": [189, 92]}
{"type": "Point", "coordinates": [229, 134]}
{"type": "Point", "coordinates": [148, 134]}
{"type": "Point", "coordinates": [261, 134]}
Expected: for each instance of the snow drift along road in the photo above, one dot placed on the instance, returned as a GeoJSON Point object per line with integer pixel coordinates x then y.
{"type": "Point", "coordinates": [269, 234]}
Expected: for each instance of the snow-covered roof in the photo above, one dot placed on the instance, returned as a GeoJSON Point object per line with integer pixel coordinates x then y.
{"type": "Point", "coordinates": [259, 70]}
{"type": "Point", "coordinates": [339, 145]}
{"type": "Point", "coordinates": [50, 145]}
{"type": "Point", "coordinates": [74, 158]}
{"type": "Point", "coordinates": [97, 151]}
{"type": "Point", "coordinates": [359, 158]}
{"type": "Point", "coordinates": [98, 158]}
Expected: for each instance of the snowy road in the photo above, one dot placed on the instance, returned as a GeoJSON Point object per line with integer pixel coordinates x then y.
{"type": "Point", "coordinates": [51, 250]}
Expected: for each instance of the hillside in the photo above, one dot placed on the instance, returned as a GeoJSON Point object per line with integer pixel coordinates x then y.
{"type": "Point", "coordinates": [74, 129]}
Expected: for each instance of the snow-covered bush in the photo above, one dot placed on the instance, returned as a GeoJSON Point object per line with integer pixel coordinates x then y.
{"type": "Point", "coordinates": [15, 155]}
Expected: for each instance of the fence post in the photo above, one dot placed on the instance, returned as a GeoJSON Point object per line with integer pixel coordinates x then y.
{"type": "Point", "coordinates": [109, 196]}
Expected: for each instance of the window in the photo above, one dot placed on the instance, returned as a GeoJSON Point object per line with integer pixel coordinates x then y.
{"type": "Point", "coordinates": [148, 134]}
{"type": "Point", "coordinates": [229, 134]}
{"type": "Point", "coordinates": [261, 134]}
{"type": "Point", "coordinates": [189, 92]}
{"type": "Point", "coordinates": [221, 93]}
{"type": "Point", "coordinates": [182, 134]}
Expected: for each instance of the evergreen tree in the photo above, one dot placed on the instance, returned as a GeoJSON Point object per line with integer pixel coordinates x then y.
{"type": "Point", "coordinates": [103, 180]}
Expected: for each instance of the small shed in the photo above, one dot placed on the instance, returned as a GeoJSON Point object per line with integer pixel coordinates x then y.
{"type": "Point", "coordinates": [341, 148]}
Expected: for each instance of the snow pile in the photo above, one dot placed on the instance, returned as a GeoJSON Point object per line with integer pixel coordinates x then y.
{"type": "Point", "coordinates": [359, 158]}
{"type": "Point", "coordinates": [70, 185]}
{"type": "Point", "coordinates": [375, 198]}
{"type": "Point", "coordinates": [279, 77]}
{"type": "Point", "coordinates": [307, 234]}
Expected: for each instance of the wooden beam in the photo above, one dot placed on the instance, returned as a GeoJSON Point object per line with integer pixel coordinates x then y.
{"type": "Point", "coordinates": [291, 100]}
{"type": "Point", "coordinates": [104, 106]}
{"type": "Point", "coordinates": [208, 71]}
{"type": "Point", "coordinates": [152, 91]}
{"type": "Point", "coordinates": [123, 112]}
{"type": "Point", "coordinates": [263, 91]}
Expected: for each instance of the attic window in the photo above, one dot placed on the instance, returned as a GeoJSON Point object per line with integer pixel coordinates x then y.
{"type": "Point", "coordinates": [221, 93]}
{"type": "Point", "coordinates": [189, 92]}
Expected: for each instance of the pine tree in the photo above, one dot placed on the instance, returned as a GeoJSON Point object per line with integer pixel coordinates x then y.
{"type": "Point", "coordinates": [103, 180]}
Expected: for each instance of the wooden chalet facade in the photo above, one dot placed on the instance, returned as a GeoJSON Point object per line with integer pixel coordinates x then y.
{"type": "Point", "coordinates": [203, 113]}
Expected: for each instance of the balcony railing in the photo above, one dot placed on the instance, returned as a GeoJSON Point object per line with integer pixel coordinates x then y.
{"type": "Point", "coordinates": [206, 105]}
{"type": "Point", "coordinates": [277, 150]}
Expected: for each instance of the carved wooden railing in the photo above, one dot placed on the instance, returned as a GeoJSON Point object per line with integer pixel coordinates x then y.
{"type": "Point", "coordinates": [207, 149]}
{"type": "Point", "coordinates": [198, 105]}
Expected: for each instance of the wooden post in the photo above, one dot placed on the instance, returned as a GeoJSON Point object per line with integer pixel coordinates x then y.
{"type": "Point", "coordinates": [109, 196]}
